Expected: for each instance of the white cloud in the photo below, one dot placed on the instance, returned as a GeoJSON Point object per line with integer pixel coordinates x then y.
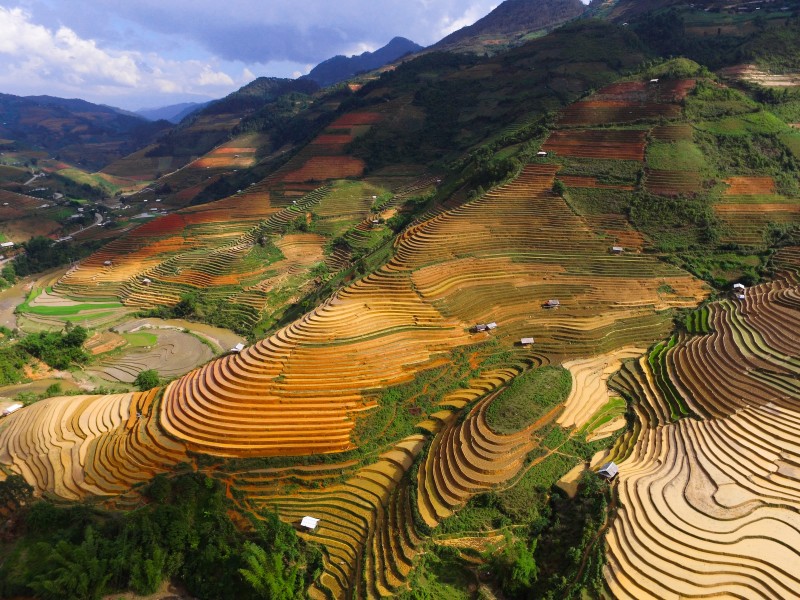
{"type": "Point", "coordinates": [61, 53]}
{"type": "Point", "coordinates": [472, 14]}
{"type": "Point", "coordinates": [59, 62]}
{"type": "Point", "coordinates": [208, 77]}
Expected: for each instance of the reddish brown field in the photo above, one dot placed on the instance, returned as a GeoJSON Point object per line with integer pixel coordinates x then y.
{"type": "Point", "coordinates": [592, 112]}
{"type": "Point", "coordinates": [598, 143]}
{"type": "Point", "coordinates": [356, 118]}
{"type": "Point", "coordinates": [750, 186]}
{"type": "Point", "coordinates": [323, 168]}
{"type": "Point", "coordinates": [628, 102]}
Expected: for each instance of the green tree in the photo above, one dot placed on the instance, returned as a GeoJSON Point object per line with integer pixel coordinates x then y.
{"type": "Point", "coordinates": [73, 572]}
{"type": "Point", "coordinates": [516, 569]}
{"type": "Point", "coordinates": [559, 187]}
{"type": "Point", "coordinates": [147, 380]}
{"type": "Point", "coordinates": [14, 493]}
{"type": "Point", "coordinates": [267, 575]}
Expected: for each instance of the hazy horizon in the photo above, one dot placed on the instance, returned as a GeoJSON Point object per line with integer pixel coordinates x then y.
{"type": "Point", "coordinates": [150, 54]}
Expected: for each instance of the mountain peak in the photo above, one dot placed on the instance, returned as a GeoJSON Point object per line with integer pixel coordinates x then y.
{"type": "Point", "coordinates": [339, 68]}
{"type": "Point", "coordinates": [512, 20]}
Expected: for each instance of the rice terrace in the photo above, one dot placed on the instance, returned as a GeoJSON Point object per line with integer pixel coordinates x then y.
{"type": "Point", "coordinates": [516, 315]}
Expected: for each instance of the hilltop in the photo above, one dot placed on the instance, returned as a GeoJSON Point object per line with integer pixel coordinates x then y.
{"type": "Point", "coordinates": [86, 134]}
{"type": "Point", "coordinates": [511, 23]}
{"type": "Point", "coordinates": [341, 68]}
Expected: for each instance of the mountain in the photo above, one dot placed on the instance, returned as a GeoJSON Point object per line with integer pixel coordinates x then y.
{"type": "Point", "coordinates": [512, 22]}
{"type": "Point", "coordinates": [86, 134]}
{"type": "Point", "coordinates": [339, 68]}
{"type": "Point", "coordinates": [174, 113]}
{"type": "Point", "coordinates": [466, 285]}
{"type": "Point", "coordinates": [260, 100]}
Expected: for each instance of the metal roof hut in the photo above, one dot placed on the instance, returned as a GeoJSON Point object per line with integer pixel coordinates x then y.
{"type": "Point", "coordinates": [309, 523]}
{"type": "Point", "coordinates": [552, 303]}
{"type": "Point", "coordinates": [107, 263]}
{"type": "Point", "coordinates": [617, 249]}
{"type": "Point", "coordinates": [740, 296]}
{"type": "Point", "coordinates": [608, 470]}
{"type": "Point", "coordinates": [147, 281]}
{"type": "Point", "coordinates": [527, 341]}
{"type": "Point", "coordinates": [739, 287]}
{"type": "Point", "coordinates": [481, 327]}
{"type": "Point", "coordinates": [491, 326]}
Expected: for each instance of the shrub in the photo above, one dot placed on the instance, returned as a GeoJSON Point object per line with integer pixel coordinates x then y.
{"type": "Point", "coordinates": [147, 380]}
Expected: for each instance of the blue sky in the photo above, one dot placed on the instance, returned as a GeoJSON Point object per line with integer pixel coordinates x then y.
{"type": "Point", "coordinates": [146, 53]}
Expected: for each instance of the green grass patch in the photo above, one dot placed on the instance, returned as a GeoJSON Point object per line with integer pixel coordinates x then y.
{"type": "Point", "coordinates": [62, 311]}
{"type": "Point", "coordinates": [721, 269]}
{"type": "Point", "coordinates": [698, 322]}
{"type": "Point", "coordinates": [615, 407]}
{"type": "Point", "coordinates": [792, 141]}
{"type": "Point", "coordinates": [614, 172]}
{"type": "Point", "coordinates": [761, 122]}
{"type": "Point", "coordinates": [527, 398]}
{"type": "Point", "coordinates": [682, 155]}
{"type": "Point", "coordinates": [141, 339]}
{"type": "Point", "coordinates": [589, 201]}
{"type": "Point", "coordinates": [83, 178]}
{"type": "Point", "coordinates": [658, 363]}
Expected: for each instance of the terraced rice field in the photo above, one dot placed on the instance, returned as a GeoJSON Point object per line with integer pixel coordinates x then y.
{"type": "Point", "coordinates": [511, 264]}
{"type": "Point", "coordinates": [525, 245]}
{"type": "Point", "coordinates": [172, 354]}
{"type": "Point", "coordinates": [673, 183]}
{"type": "Point", "coordinates": [628, 102]}
{"type": "Point", "coordinates": [708, 505]}
{"type": "Point", "coordinates": [81, 446]}
{"type": "Point", "coordinates": [750, 205]}
{"type": "Point", "coordinates": [614, 144]}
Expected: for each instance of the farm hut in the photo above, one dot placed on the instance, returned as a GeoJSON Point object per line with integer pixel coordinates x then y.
{"type": "Point", "coordinates": [147, 281]}
{"type": "Point", "coordinates": [309, 523]}
{"type": "Point", "coordinates": [552, 304]}
{"type": "Point", "coordinates": [106, 263]}
{"type": "Point", "coordinates": [491, 326]}
{"type": "Point", "coordinates": [238, 347]}
{"type": "Point", "coordinates": [740, 296]}
{"type": "Point", "coordinates": [654, 81]}
{"type": "Point", "coordinates": [527, 341]}
{"type": "Point", "coordinates": [12, 409]}
{"type": "Point", "coordinates": [609, 470]}
{"type": "Point", "coordinates": [481, 327]}
{"type": "Point", "coordinates": [7, 245]}
{"type": "Point", "coordinates": [541, 153]}
{"type": "Point", "coordinates": [739, 287]}
{"type": "Point", "coordinates": [617, 249]}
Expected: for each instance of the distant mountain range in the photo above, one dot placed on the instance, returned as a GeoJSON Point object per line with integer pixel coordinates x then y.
{"type": "Point", "coordinates": [82, 133]}
{"type": "Point", "coordinates": [174, 113]}
{"type": "Point", "coordinates": [340, 68]}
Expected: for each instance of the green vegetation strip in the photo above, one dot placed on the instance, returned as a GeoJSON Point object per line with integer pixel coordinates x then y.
{"type": "Point", "coordinates": [141, 339]}
{"type": "Point", "coordinates": [58, 311]}
{"type": "Point", "coordinates": [527, 398]}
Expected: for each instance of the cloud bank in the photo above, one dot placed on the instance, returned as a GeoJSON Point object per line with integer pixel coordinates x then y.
{"type": "Point", "coordinates": [153, 52]}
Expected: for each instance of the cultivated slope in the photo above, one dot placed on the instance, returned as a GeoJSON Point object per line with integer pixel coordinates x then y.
{"type": "Point", "coordinates": [708, 505]}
